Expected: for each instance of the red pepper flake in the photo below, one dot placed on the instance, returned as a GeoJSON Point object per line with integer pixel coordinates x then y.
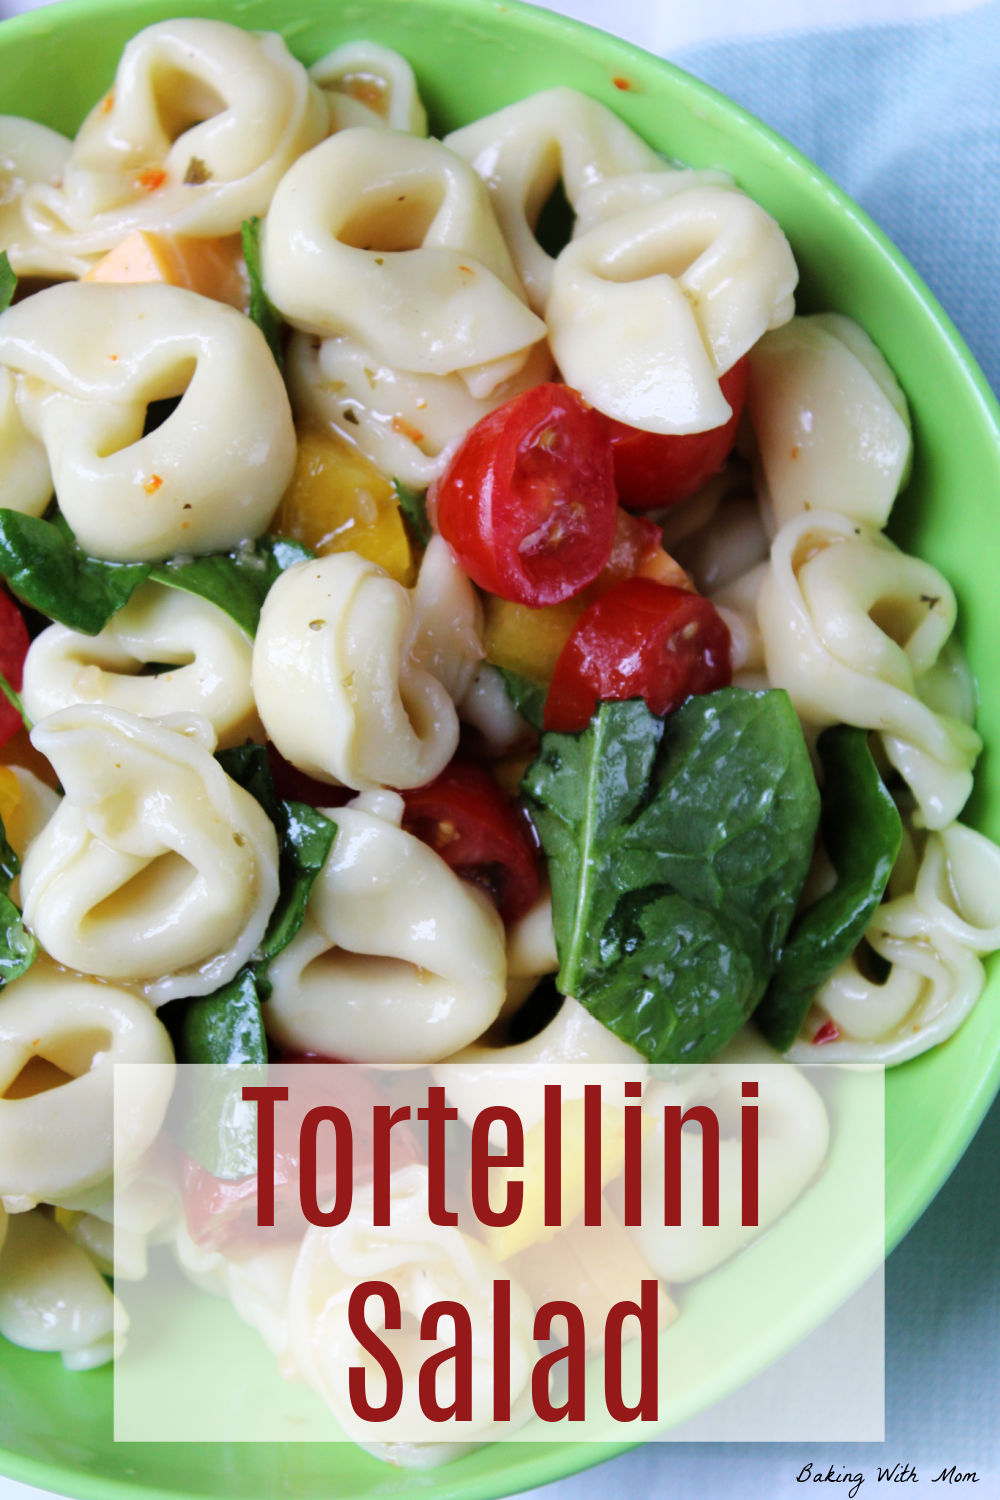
{"type": "Point", "coordinates": [407, 429]}
{"type": "Point", "coordinates": [151, 179]}
{"type": "Point", "coordinates": [795, 451]}
{"type": "Point", "coordinates": [108, 102]}
{"type": "Point", "coordinates": [625, 84]}
{"type": "Point", "coordinates": [152, 484]}
{"type": "Point", "coordinates": [468, 270]}
{"type": "Point", "coordinates": [828, 1032]}
{"type": "Point", "coordinates": [112, 357]}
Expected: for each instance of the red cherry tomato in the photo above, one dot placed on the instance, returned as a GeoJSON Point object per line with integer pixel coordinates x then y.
{"type": "Point", "coordinates": [657, 468]}
{"type": "Point", "coordinates": [293, 785]}
{"type": "Point", "coordinates": [477, 830]}
{"type": "Point", "coordinates": [528, 501]}
{"type": "Point", "coordinates": [639, 640]}
{"type": "Point", "coordinates": [14, 643]}
{"type": "Point", "coordinates": [223, 1213]}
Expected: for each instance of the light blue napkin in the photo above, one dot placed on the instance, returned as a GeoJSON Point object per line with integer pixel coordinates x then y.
{"type": "Point", "coordinates": [907, 120]}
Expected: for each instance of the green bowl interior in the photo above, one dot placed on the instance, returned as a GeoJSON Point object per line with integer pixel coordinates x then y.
{"type": "Point", "coordinates": [471, 57]}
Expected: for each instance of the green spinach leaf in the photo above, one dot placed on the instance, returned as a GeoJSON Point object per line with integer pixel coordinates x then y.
{"type": "Point", "coordinates": [262, 309]}
{"type": "Point", "coordinates": [210, 1119]}
{"type": "Point", "coordinates": [677, 851]}
{"type": "Point", "coordinates": [14, 699]}
{"type": "Point", "coordinates": [8, 282]}
{"type": "Point", "coordinates": [413, 504]}
{"type": "Point", "coordinates": [18, 948]}
{"type": "Point", "coordinates": [527, 695]}
{"type": "Point", "coordinates": [48, 571]}
{"type": "Point", "coordinates": [236, 581]}
{"type": "Point", "coordinates": [224, 1027]}
{"type": "Point", "coordinates": [305, 838]}
{"type": "Point", "coordinates": [862, 832]}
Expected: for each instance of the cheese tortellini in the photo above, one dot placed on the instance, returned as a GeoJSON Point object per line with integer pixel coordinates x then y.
{"type": "Point", "coordinates": [521, 152]}
{"type": "Point", "coordinates": [200, 125]}
{"type": "Point", "coordinates": [29, 153]}
{"type": "Point", "coordinates": [793, 1135]}
{"type": "Point", "coordinates": [370, 85]}
{"type": "Point", "coordinates": [389, 239]}
{"type": "Point", "coordinates": [88, 359]}
{"type": "Point", "coordinates": [354, 675]}
{"type": "Point", "coordinates": [931, 933]}
{"type": "Point", "coordinates": [423, 1262]}
{"type": "Point", "coordinates": [60, 1038]}
{"type": "Point", "coordinates": [850, 625]}
{"type": "Point", "coordinates": [156, 868]}
{"type": "Point", "coordinates": [201, 655]}
{"type": "Point", "coordinates": [398, 959]}
{"type": "Point", "coordinates": [702, 272]}
{"type": "Point", "coordinates": [830, 421]}
{"type": "Point", "coordinates": [52, 1296]}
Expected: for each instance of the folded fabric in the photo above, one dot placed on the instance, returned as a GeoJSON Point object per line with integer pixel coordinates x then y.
{"type": "Point", "coordinates": [906, 118]}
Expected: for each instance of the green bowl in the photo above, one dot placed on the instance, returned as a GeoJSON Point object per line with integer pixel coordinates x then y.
{"type": "Point", "coordinates": [471, 57]}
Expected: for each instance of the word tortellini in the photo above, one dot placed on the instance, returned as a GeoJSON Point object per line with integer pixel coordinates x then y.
{"type": "Point", "coordinates": [355, 676]}
{"type": "Point", "coordinates": [87, 360]}
{"type": "Point", "coordinates": [398, 957]}
{"type": "Point", "coordinates": [156, 868]}
{"type": "Point", "coordinates": [200, 125]}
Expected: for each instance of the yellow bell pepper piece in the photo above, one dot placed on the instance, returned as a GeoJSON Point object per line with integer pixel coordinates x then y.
{"type": "Point", "coordinates": [530, 1228]}
{"type": "Point", "coordinates": [525, 640]}
{"type": "Point", "coordinates": [339, 502]}
{"type": "Point", "coordinates": [212, 267]}
{"type": "Point", "coordinates": [10, 795]}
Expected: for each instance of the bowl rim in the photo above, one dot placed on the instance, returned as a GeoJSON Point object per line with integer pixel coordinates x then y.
{"type": "Point", "coordinates": [561, 1458]}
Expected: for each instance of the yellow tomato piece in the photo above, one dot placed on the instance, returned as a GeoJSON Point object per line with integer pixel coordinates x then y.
{"type": "Point", "coordinates": [339, 502]}
{"type": "Point", "coordinates": [10, 795]}
{"type": "Point", "coordinates": [525, 640]}
{"type": "Point", "coordinates": [212, 267]}
{"type": "Point", "coordinates": [530, 1228]}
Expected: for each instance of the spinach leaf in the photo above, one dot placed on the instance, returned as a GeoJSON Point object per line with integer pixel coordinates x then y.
{"type": "Point", "coordinates": [48, 571]}
{"type": "Point", "coordinates": [215, 1125]}
{"type": "Point", "coordinates": [210, 1119]}
{"type": "Point", "coordinates": [225, 1027]}
{"type": "Point", "coordinates": [413, 504]}
{"type": "Point", "coordinates": [14, 699]}
{"type": "Point", "coordinates": [236, 581]}
{"type": "Point", "coordinates": [305, 838]}
{"type": "Point", "coordinates": [262, 309]}
{"type": "Point", "coordinates": [18, 948]}
{"type": "Point", "coordinates": [8, 282]}
{"type": "Point", "coordinates": [677, 851]}
{"type": "Point", "coordinates": [862, 832]}
{"type": "Point", "coordinates": [527, 695]}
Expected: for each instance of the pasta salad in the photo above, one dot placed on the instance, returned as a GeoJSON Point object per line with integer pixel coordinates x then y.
{"type": "Point", "coordinates": [433, 633]}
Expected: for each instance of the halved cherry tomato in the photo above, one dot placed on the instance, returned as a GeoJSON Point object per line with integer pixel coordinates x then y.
{"type": "Point", "coordinates": [14, 643]}
{"type": "Point", "coordinates": [293, 785]}
{"type": "Point", "coordinates": [658, 468]}
{"type": "Point", "coordinates": [528, 501]}
{"type": "Point", "coordinates": [223, 1213]}
{"type": "Point", "coordinates": [477, 830]}
{"type": "Point", "coordinates": [640, 640]}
